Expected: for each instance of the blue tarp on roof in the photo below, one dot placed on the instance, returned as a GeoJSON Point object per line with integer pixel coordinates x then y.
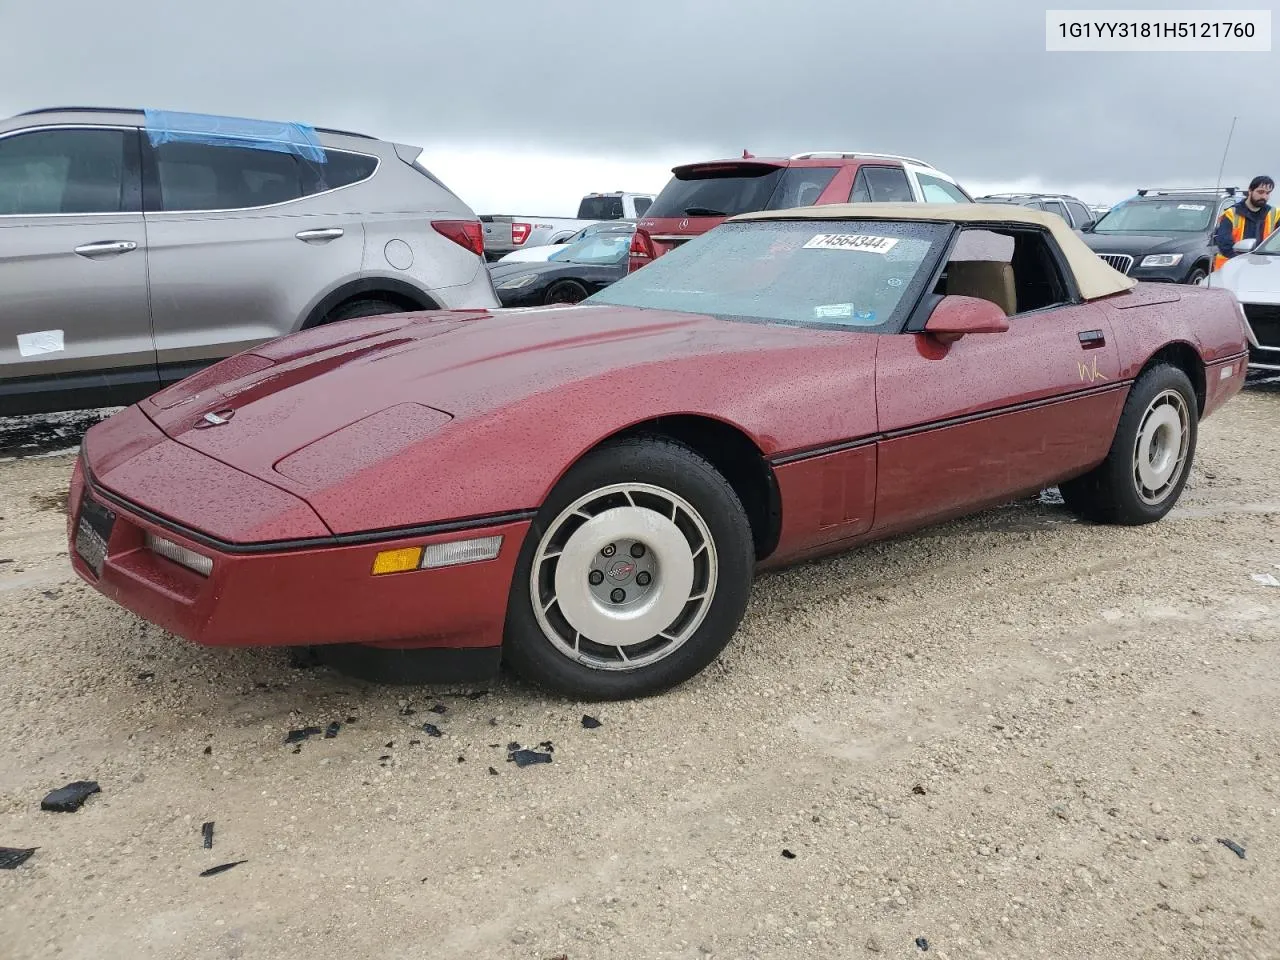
{"type": "Point", "coordinates": [168, 126]}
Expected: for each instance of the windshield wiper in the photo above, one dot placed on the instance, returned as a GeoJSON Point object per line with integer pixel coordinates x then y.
{"type": "Point", "coordinates": [704, 212]}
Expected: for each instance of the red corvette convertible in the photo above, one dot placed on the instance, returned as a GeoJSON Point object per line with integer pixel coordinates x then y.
{"type": "Point", "coordinates": [587, 491]}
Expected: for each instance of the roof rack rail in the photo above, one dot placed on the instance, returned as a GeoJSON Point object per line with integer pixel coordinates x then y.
{"type": "Point", "coordinates": [1227, 190]}
{"type": "Point", "coordinates": [40, 110]}
{"type": "Point", "coordinates": [46, 110]}
{"type": "Point", "coordinates": [846, 154]}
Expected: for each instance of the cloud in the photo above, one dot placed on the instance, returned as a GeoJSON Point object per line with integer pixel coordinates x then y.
{"type": "Point", "coordinates": [515, 101]}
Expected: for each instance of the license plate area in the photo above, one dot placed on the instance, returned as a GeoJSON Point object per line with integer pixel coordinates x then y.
{"type": "Point", "coordinates": [93, 533]}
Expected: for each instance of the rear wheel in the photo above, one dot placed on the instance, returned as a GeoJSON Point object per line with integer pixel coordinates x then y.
{"type": "Point", "coordinates": [1150, 457]}
{"type": "Point", "coordinates": [634, 575]}
{"type": "Point", "coordinates": [371, 307]}
{"type": "Point", "coordinates": [566, 291]}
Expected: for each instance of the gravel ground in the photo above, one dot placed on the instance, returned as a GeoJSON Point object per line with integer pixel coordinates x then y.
{"type": "Point", "coordinates": [1012, 736]}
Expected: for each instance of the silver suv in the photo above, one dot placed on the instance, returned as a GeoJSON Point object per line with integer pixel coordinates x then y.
{"type": "Point", "coordinates": [138, 246]}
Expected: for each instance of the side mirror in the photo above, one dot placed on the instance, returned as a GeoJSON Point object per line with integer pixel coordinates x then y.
{"type": "Point", "coordinates": [955, 316]}
{"type": "Point", "coordinates": [1244, 246]}
{"type": "Point", "coordinates": [1088, 226]}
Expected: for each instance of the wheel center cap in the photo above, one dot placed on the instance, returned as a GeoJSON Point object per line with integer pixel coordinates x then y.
{"type": "Point", "coordinates": [621, 569]}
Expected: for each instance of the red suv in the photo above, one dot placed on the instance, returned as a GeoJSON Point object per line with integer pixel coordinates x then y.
{"type": "Point", "coordinates": [702, 195]}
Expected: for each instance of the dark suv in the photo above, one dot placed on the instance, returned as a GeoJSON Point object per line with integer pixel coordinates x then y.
{"type": "Point", "coordinates": [1160, 235]}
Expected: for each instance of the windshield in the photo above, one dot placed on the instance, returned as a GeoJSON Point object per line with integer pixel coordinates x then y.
{"type": "Point", "coordinates": [1158, 216]}
{"type": "Point", "coordinates": [602, 248]}
{"type": "Point", "coordinates": [821, 273]}
{"type": "Point", "coordinates": [1270, 246]}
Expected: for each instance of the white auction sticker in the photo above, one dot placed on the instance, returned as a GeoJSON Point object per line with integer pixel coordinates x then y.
{"type": "Point", "coordinates": [851, 241]}
{"type": "Point", "coordinates": [1191, 206]}
{"type": "Point", "coordinates": [42, 341]}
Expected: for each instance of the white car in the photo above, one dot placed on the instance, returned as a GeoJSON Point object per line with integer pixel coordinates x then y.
{"type": "Point", "coordinates": [542, 252]}
{"type": "Point", "coordinates": [1254, 277]}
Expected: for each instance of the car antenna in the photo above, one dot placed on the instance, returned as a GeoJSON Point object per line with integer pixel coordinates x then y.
{"type": "Point", "coordinates": [1218, 187]}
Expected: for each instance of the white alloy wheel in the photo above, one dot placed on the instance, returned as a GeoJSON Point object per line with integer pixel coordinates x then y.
{"type": "Point", "coordinates": [623, 576]}
{"type": "Point", "coordinates": [1160, 449]}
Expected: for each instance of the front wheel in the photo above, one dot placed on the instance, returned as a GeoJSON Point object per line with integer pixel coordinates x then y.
{"type": "Point", "coordinates": [566, 291]}
{"type": "Point", "coordinates": [1150, 456]}
{"type": "Point", "coordinates": [1197, 276]}
{"type": "Point", "coordinates": [634, 575]}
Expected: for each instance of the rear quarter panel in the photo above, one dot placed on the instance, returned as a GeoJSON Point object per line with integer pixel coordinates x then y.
{"type": "Point", "coordinates": [1153, 316]}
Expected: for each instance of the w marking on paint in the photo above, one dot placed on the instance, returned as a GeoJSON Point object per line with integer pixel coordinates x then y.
{"type": "Point", "coordinates": [1089, 372]}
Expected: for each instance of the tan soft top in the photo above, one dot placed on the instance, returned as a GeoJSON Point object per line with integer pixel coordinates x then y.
{"type": "Point", "coordinates": [1094, 276]}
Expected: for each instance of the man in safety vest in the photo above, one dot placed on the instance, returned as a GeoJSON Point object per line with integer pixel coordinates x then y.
{"type": "Point", "coordinates": [1250, 219]}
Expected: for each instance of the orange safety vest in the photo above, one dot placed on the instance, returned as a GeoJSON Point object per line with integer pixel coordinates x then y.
{"type": "Point", "coordinates": [1269, 223]}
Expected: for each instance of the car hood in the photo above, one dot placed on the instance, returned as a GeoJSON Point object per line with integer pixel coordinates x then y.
{"type": "Point", "coordinates": [1254, 278]}
{"type": "Point", "coordinates": [1139, 244]}
{"type": "Point", "coordinates": [311, 409]}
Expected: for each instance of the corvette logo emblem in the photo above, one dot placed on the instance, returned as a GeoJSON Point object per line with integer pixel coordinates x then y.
{"type": "Point", "coordinates": [621, 570]}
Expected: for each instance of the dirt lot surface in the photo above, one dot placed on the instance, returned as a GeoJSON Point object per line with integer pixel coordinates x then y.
{"type": "Point", "coordinates": [1015, 736]}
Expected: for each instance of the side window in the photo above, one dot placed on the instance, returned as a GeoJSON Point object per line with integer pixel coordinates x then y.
{"type": "Point", "coordinates": [1054, 206]}
{"type": "Point", "coordinates": [888, 184]}
{"type": "Point", "coordinates": [860, 193]}
{"type": "Point", "coordinates": [936, 190]}
{"type": "Point", "coordinates": [641, 205]}
{"type": "Point", "coordinates": [801, 187]}
{"type": "Point", "coordinates": [1080, 213]}
{"type": "Point", "coordinates": [197, 176]}
{"type": "Point", "coordinates": [1014, 269]}
{"type": "Point", "coordinates": [64, 171]}
{"type": "Point", "coordinates": [339, 170]}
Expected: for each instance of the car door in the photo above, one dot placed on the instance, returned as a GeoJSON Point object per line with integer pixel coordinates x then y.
{"type": "Point", "coordinates": [73, 267]}
{"type": "Point", "coordinates": [243, 241]}
{"type": "Point", "coordinates": [992, 416]}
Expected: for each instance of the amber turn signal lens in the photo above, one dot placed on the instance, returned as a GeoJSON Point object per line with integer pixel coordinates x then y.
{"type": "Point", "coordinates": [397, 561]}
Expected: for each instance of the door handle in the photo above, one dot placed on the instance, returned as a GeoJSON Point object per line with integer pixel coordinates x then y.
{"type": "Point", "coordinates": [1092, 339]}
{"type": "Point", "coordinates": [105, 248]}
{"type": "Point", "coordinates": [328, 233]}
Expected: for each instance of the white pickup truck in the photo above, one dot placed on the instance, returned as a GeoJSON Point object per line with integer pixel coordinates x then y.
{"type": "Point", "coordinates": [504, 233]}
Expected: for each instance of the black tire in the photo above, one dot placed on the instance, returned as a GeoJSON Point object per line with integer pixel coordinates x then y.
{"type": "Point", "coordinates": [1198, 273]}
{"type": "Point", "coordinates": [677, 470]}
{"type": "Point", "coordinates": [1110, 492]}
{"type": "Point", "coordinates": [371, 307]}
{"type": "Point", "coordinates": [566, 291]}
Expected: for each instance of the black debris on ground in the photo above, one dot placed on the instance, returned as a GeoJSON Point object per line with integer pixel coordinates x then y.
{"type": "Point", "coordinates": [1233, 847]}
{"type": "Point", "coordinates": [5, 559]}
{"type": "Point", "coordinates": [221, 868]}
{"type": "Point", "coordinates": [331, 731]}
{"type": "Point", "coordinates": [390, 744]}
{"type": "Point", "coordinates": [303, 658]}
{"type": "Point", "coordinates": [476, 694]}
{"type": "Point", "coordinates": [68, 799]}
{"type": "Point", "coordinates": [414, 743]}
{"type": "Point", "coordinates": [918, 790]}
{"type": "Point", "coordinates": [148, 675]}
{"type": "Point", "coordinates": [462, 759]}
{"type": "Point", "coordinates": [385, 757]}
{"type": "Point", "coordinates": [431, 730]}
{"type": "Point", "coordinates": [922, 943]}
{"type": "Point", "coordinates": [352, 719]}
{"type": "Point", "coordinates": [207, 832]}
{"type": "Point", "coordinates": [208, 751]}
{"type": "Point", "coordinates": [546, 745]}
{"type": "Point", "coordinates": [493, 772]}
{"type": "Point", "coordinates": [590, 722]}
{"type": "Point", "coordinates": [524, 758]}
{"type": "Point", "coordinates": [51, 594]}
{"type": "Point", "coordinates": [439, 708]}
{"type": "Point", "coordinates": [406, 710]}
{"type": "Point", "coordinates": [297, 736]}
{"type": "Point", "coordinates": [512, 746]}
{"type": "Point", "coordinates": [788, 854]}
{"type": "Point", "coordinates": [12, 857]}
{"type": "Point", "coordinates": [493, 721]}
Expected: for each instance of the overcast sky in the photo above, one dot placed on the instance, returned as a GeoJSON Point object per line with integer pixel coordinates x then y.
{"type": "Point", "coordinates": [524, 106]}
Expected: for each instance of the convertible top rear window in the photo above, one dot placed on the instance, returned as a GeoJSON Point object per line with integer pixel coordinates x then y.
{"type": "Point", "coordinates": [863, 274]}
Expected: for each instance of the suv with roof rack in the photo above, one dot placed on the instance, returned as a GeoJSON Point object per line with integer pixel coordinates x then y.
{"type": "Point", "coordinates": [1071, 209]}
{"type": "Point", "coordinates": [138, 246]}
{"type": "Point", "coordinates": [703, 195]}
{"type": "Point", "coordinates": [1162, 235]}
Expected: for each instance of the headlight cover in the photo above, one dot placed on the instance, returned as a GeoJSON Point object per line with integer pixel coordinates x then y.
{"type": "Point", "coordinates": [1162, 260]}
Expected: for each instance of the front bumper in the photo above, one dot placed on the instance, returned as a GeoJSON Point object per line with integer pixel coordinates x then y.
{"type": "Point", "coordinates": [313, 593]}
